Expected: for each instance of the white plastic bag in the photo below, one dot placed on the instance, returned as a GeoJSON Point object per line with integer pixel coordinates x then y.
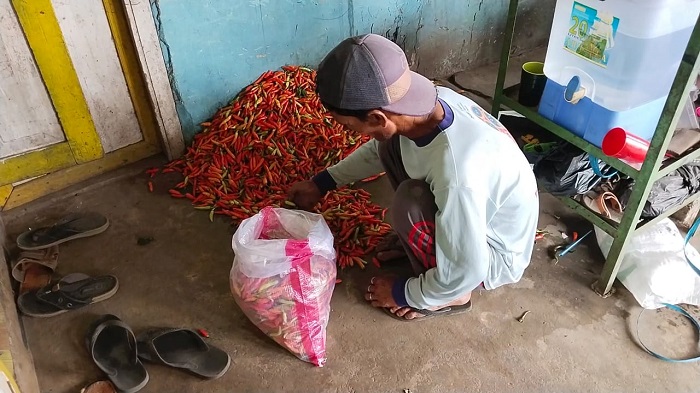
{"type": "Point", "coordinates": [654, 267]}
{"type": "Point", "coordinates": [283, 277]}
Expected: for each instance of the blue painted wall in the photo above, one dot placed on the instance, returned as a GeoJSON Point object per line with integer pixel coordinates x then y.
{"type": "Point", "coordinates": [214, 48]}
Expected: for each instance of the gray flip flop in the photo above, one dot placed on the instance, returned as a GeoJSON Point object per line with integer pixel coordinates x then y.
{"type": "Point", "coordinates": [73, 226]}
{"type": "Point", "coordinates": [184, 349]}
{"type": "Point", "coordinates": [73, 291]}
{"type": "Point", "coordinates": [428, 314]}
{"type": "Point", "coordinates": [113, 348]}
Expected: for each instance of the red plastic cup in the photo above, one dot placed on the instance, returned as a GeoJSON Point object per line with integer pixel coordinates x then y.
{"type": "Point", "coordinates": [627, 147]}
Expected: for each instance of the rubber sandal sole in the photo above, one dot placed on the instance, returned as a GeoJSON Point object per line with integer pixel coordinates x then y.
{"type": "Point", "coordinates": [443, 312]}
{"type": "Point", "coordinates": [149, 359]}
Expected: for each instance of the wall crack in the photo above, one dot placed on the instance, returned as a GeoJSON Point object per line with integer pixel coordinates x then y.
{"type": "Point", "coordinates": [185, 117]}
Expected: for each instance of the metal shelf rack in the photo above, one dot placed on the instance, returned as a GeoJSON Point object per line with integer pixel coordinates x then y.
{"type": "Point", "coordinates": [652, 169]}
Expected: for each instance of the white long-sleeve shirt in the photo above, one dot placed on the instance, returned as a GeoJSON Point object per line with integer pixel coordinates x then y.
{"type": "Point", "coordinates": [486, 197]}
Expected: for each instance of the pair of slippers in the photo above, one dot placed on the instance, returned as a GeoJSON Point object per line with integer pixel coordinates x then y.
{"type": "Point", "coordinates": [118, 352]}
{"type": "Point", "coordinates": [38, 258]}
{"type": "Point", "coordinates": [42, 297]}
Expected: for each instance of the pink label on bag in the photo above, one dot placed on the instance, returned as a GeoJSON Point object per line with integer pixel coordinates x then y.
{"type": "Point", "coordinates": [306, 309]}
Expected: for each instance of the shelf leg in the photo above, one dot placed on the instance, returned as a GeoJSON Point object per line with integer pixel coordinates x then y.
{"type": "Point", "coordinates": [685, 77]}
{"type": "Point", "coordinates": [505, 57]}
{"type": "Point", "coordinates": [604, 285]}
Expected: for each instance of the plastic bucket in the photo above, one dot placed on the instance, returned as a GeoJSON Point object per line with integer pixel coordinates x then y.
{"type": "Point", "coordinates": [628, 147]}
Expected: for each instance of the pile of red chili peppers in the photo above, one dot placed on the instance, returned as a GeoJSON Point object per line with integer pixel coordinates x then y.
{"type": "Point", "coordinates": [273, 134]}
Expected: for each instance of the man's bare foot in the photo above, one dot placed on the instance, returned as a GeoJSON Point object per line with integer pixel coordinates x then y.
{"type": "Point", "coordinates": [408, 313]}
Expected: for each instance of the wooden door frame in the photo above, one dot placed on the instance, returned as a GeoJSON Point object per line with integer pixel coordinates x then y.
{"type": "Point", "coordinates": [143, 30]}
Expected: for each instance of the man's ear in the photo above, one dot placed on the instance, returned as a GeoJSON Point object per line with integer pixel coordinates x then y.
{"type": "Point", "coordinates": [377, 118]}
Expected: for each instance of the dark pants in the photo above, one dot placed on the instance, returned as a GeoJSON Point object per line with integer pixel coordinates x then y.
{"type": "Point", "coordinates": [412, 210]}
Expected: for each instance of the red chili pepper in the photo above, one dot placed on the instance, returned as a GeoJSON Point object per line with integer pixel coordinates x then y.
{"type": "Point", "coordinates": [150, 186]}
{"type": "Point", "coordinates": [574, 236]}
{"type": "Point", "coordinates": [372, 178]}
{"type": "Point", "coordinates": [203, 333]}
{"type": "Point", "coordinates": [271, 302]}
{"type": "Point", "coordinates": [274, 133]}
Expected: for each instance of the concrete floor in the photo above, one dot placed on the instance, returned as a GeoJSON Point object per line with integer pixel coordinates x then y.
{"type": "Point", "coordinates": [572, 340]}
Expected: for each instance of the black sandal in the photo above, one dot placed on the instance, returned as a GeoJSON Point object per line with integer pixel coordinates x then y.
{"type": "Point", "coordinates": [72, 292]}
{"type": "Point", "coordinates": [183, 349]}
{"type": "Point", "coordinates": [73, 226]}
{"type": "Point", "coordinates": [112, 346]}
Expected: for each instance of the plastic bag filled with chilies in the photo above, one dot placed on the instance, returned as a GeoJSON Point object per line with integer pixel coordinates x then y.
{"type": "Point", "coordinates": [283, 277]}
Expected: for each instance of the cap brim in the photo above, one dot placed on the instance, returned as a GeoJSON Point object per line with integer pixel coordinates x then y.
{"type": "Point", "coordinates": [420, 99]}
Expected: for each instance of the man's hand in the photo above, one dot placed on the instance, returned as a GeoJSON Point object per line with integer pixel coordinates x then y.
{"type": "Point", "coordinates": [305, 194]}
{"type": "Point", "coordinates": [379, 292]}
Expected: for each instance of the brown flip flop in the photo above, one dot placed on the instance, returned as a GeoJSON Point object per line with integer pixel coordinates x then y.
{"type": "Point", "coordinates": [47, 258]}
{"type": "Point", "coordinates": [34, 269]}
{"type": "Point", "coordinates": [99, 387]}
{"type": "Point", "coordinates": [605, 204]}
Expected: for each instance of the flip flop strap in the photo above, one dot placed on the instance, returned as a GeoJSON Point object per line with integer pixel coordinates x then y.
{"type": "Point", "coordinates": [614, 202]}
{"type": "Point", "coordinates": [151, 348]}
{"type": "Point", "coordinates": [47, 255]}
{"type": "Point", "coordinates": [47, 258]}
{"type": "Point", "coordinates": [114, 322]}
{"type": "Point", "coordinates": [39, 255]}
{"type": "Point", "coordinates": [602, 207]}
{"type": "Point", "coordinates": [53, 295]}
{"type": "Point", "coordinates": [63, 294]}
{"type": "Point", "coordinates": [53, 233]}
{"type": "Point", "coordinates": [153, 351]}
{"type": "Point", "coordinates": [608, 199]}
